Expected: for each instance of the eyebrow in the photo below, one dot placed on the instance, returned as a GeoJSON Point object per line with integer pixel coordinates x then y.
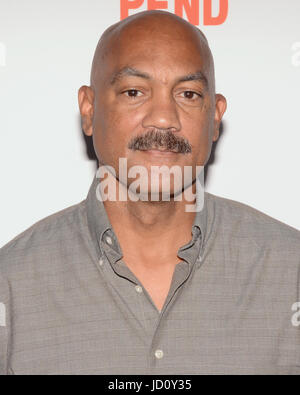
{"type": "Point", "coordinates": [130, 71]}
{"type": "Point", "coordinates": [198, 76]}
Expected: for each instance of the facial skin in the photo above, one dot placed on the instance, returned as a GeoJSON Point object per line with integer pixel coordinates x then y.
{"type": "Point", "coordinates": [152, 74]}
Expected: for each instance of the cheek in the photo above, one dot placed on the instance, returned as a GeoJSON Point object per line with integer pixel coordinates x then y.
{"type": "Point", "coordinates": [199, 132]}
{"type": "Point", "coordinates": [200, 146]}
{"type": "Point", "coordinates": [116, 121]}
{"type": "Point", "coordinates": [113, 128]}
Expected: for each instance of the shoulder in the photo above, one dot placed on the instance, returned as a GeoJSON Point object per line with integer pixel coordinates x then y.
{"type": "Point", "coordinates": [242, 220]}
{"type": "Point", "coordinates": [44, 237]}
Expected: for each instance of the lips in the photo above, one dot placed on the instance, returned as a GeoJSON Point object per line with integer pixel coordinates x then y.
{"type": "Point", "coordinates": [164, 150]}
{"type": "Point", "coordinates": [160, 150]}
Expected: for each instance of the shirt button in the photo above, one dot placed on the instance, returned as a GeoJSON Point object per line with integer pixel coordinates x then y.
{"type": "Point", "coordinates": [108, 240]}
{"type": "Point", "coordinates": [159, 354]}
{"type": "Point", "coordinates": [138, 289]}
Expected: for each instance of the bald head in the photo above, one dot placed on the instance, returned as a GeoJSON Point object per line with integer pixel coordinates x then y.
{"type": "Point", "coordinates": [162, 26]}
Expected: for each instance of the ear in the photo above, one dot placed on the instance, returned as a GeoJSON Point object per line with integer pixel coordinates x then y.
{"type": "Point", "coordinates": [221, 105]}
{"type": "Point", "coordinates": [86, 105]}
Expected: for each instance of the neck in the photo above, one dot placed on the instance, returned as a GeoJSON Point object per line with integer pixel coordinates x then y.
{"type": "Point", "coordinates": [154, 229]}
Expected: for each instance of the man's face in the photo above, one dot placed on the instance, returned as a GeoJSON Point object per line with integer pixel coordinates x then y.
{"type": "Point", "coordinates": [155, 83]}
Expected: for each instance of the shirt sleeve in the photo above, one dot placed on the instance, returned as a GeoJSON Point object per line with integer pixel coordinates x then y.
{"type": "Point", "coordinates": [4, 326]}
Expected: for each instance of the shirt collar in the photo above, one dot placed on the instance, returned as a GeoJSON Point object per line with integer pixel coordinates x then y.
{"type": "Point", "coordinates": [200, 221]}
{"type": "Point", "coordinates": [98, 222]}
{"type": "Point", "coordinates": [101, 228]}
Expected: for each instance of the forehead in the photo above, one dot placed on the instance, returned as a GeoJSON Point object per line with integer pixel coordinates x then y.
{"type": "Point", "coordinates": [173, 50]}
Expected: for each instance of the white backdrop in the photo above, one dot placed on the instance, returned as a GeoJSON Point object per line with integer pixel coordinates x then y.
{"type": "Point", "coordinates": [46, 50]}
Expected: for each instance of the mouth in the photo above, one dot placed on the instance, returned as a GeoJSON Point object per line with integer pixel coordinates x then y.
{"type": "Point", "coordinates": [160, 150]}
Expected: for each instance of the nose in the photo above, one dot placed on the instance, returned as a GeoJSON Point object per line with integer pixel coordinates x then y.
{"type": "Point", "coordinates": [162, 113]}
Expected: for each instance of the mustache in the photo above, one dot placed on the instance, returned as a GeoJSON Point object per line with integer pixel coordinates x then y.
{"type": "Point", "coordinates": [160, 139]}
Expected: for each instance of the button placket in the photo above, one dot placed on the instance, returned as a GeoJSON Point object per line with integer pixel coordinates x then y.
{"type": "Point", "coordinates": [159, 354]}
{"type": "Point", "coordinates": [101, 262]}
{"type": "Point", "coordinates": [138, 289]}
{"type": "Point", "coordinates": [108, 240]}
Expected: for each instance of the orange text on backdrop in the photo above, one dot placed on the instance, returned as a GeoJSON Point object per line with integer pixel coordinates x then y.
{"type": "Point", "coordinates": [191, 8]}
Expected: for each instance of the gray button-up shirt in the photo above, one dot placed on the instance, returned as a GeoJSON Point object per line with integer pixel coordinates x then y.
{"type": "Point", "coordinates": [70, 305]}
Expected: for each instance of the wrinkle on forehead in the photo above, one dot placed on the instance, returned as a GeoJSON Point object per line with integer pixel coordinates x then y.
{"type": "Point", "coordinates": [150, 22]}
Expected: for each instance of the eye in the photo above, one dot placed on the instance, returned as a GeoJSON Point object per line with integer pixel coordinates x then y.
{"type": "Point", "coordinates": [190, 95]}
{"type": "Point", "coordinates": [132, 93]}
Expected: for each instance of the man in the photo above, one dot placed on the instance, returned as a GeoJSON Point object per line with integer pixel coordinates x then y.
{"type": "Point", "coordinates": [145, 286]}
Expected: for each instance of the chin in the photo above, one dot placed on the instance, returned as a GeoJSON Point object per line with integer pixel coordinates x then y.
{"type": "Point", "coordinates": [155, 194]}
